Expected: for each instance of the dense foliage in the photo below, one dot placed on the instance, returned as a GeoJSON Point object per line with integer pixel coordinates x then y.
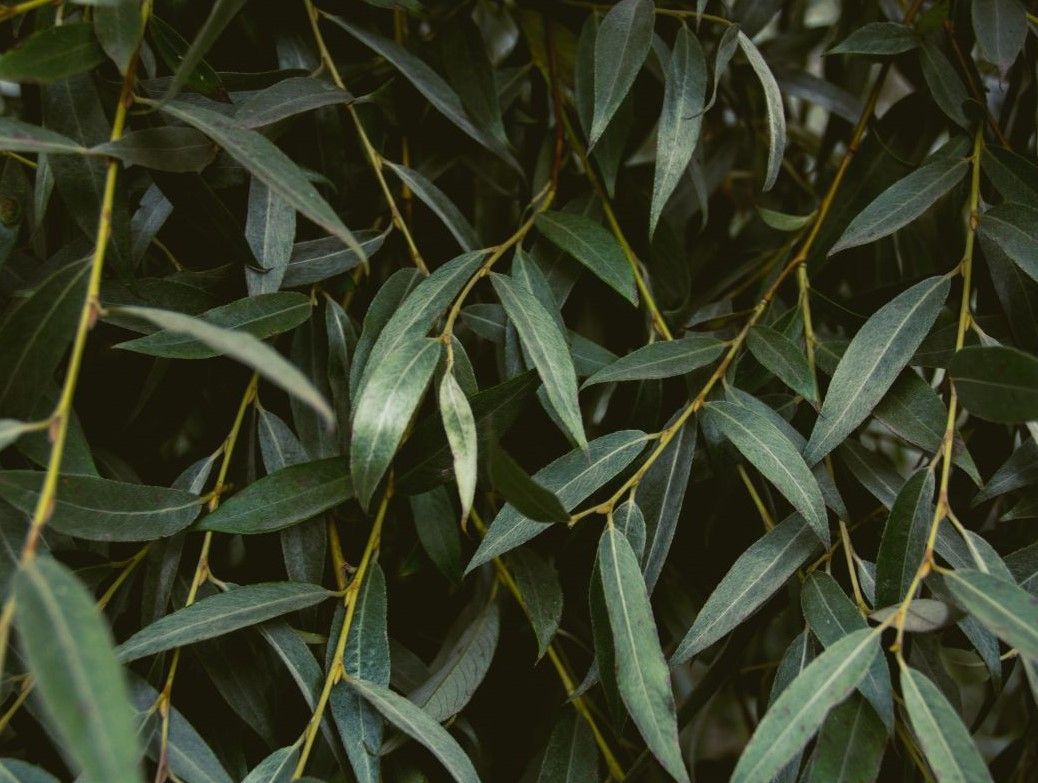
{"type": "Point", "coordinates": [417, 390]}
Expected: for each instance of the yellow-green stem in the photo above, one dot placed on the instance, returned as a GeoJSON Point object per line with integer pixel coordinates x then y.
{"type": "Point", "coordinates": [373, 155]}
{"type": "Point", "coordinates": [948, 440]}
{"type": "Point", "coordinates": [336, 671]}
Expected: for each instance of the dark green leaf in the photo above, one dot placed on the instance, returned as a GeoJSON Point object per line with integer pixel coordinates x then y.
{"type": "Point", "coordinates": [528, 497]}
{"type": "Point", "coordinates": [220, 614]}
{"type": "Point", "coordinates": [662, 359]}
{"type": "Point", "coordinates": [165, 149]}
{"type": "Point", "coordinates": [621, 46]}
{"type": "Point", "coordinates": [591, 245]}
{"type": "Point", "coordinates": [997, 383]}
{"type": "Point", "coordinates": [52, 54]}
{"type": "Point", "coordinates": [781, 356]}
{"type": "Point", "coordinates": [904, 538]}
{"type": "Point", "coordinates": [877, 38]}
{"type": "Point", "coordinates": [68, 648]}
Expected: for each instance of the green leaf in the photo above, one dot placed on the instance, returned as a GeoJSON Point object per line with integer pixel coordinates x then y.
{"type": "Point", "coordinates": [68, 649]}
{"type": "Point", "coordinates": [621, 46]}
{"type": "Point", "coordinates": [1013, 175]}
{"type": "Point", "coordinates": [275, 768]}
{"type": "Point", "coordinates": [239, 346]}
{"type": "Point", "coordinates": [1008, 610]}
{"type": "Point", "coordinates": [904, 538]}
{"type": "Point", "coordinates": [52, 54]}
{"type": "Point", "coordinates": [832, 616]}
{"type": "Point", "coordinates": [430, 84]}
{"type": "Point", "coordinates": [220, 14]}
{"type": "Point", "coordinates": [684, 94]}
{"type": "Point", "coordinates": [850, 745]}
{"type": "Point", "coordinates": [284, 498]}
{"type": "Point", "coordinates": [267, 163]}
{"type": "Point", "coordinates": [393, 322]}
{"type": "Point", "coordinates": [165, 149]}
{"type": "Point", "coordinates": [436, 522]}
{"type": "Point", "coordinates": [33, 338]}
{"type": "Point", "coordinates": [541, 592]}
{"type": "Point", "coordinates": [14, 771]}
{"type": "Point", "coordinates": [471, 72]}
{"type": "Point", "coordinates": [573, 478]}
{"type": "Point", "coordinates": [924, 615]}
{"type": "Point", "coordinates": [661, 359]}
{"type": "Point", "coordinates": [571, 755]}
{"type": "Point", "coordinates": [547, 349]}
{"type": "Point", "coordinates": [873, 470]}
{"type": "Point", "coordinates": [527, 496]}
{"type": "Point", "coordinates": [270, 227]}
{"type": "Point", "coordinates": [661, 495]}
{"type": "Point", "coordinates": [12, 429]}
{"type": "Point", "coordinates": [1001, 28]}
{"type": "Point", "coordinates": [461, 665]}
{"type": "Point", "coordinates": [18, 136]}
{"type": "Point", "coordinates": [1011, 227]}
{"type": "Point", "coordinates": [440, 204]}
{"type": "Point", "coordinates": [946, 88]}
{"type": "Point", "coordinates": [316, 260]}
{"type": "Point", "coordinates": [414, 722]}
{"type": "Point", "coordinates": [366, 657]}
{"type": "Point", "coordinates": [794, 660]}
{"type": "Point", "coordinates": [781, 221]}
{"type": "Point", "coordinates": [775, 456]}
{"type": "Point", "coordinates": [385, 407]}
{"type": "Point", "coordinates": [997, 383]}
{"type": "Point", "coordinates": [288, 98]}
{"type": "Point", "coordinates": [944, 740]}
{"type": "Point", "coordinates": [261, 316]}
{"type": "Point", "coordinates": [641, 671]}
{"type": "Point", "coordinates": [874, 358]}
{"type": "Point", "coordinates": [878, 39]}
{"type": "Point", "coordinates": [216, 615]}
{"type": "Point", "coordinates": [460, 427]}
{"type": "Point", "coordinates": [798, 713]}
{"type": "Point", "coordinates": [100, 509]}
{"type": "Point", "coordinates": [119, 28]}
{"type": "Point", "coordinates": [775, 113]}
{"type": "Point", "coordinates": [591, 245]}
{"type": "Point", "coordinates": [782, 357]}
{"type": "Point", "coordinates": [902, 202]}
{"type": "Point", "coordinates": [755, 576]}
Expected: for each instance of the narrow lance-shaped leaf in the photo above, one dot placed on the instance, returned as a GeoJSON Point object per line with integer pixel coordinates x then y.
{"type": "Point", "coordinates": [877, 38]}
{"type": "Point", "coordinates": [850, 744]}
{"type": "Point", "coordinates": [460, 427]}
{"type": "Point", "coordinates": [270, 228]}
{"type": "Point", "coordinates": [572, 477]}
{"type": "Point", "coordinates": [523, 493]}
{"type": "Point", "coordinates": [775, 456]}
{"type": "Point", "coordinates": [548, 351]}
{"type": "Point", "coordinates": [538, 583]}
{"type": "Point", "coordinates": [430, 84]}
{"type": "Point", "coordinates": [384, 409]}
{"type": "Point", "coordinates": [773, 104]}
{"type": "Point", "coordinates": [18, 136]}
{"type": "Point", "coordinates": [684, 94]}
{"type": "Point", "coordinates": [262, 316]}
{"type": "Point", "coordinates": [275, 768]}
{"type": "Point", "coordinates": [661, 359]}
{"type": "Point", "coordinates": [414, 722]}
{"type": "Point", "coordinates": [798, 713]}
{"type": "Point", "coordinates": [571, 755]}
{"type": "Point", "coordinates": [997, 383]}
{"type": "Point", "coordinates": [1000, 605]}
{"type": "Point", "coordinates": [641, 671]}
{"type": "Point", "coordinates": [239, 346]}
{"type": "Point", "coordinates": [220, 614]}
{"type": "Point", "coordinates": [945, 741]}
{"type": "Point", "coordinates": [220, 14]}
{"type": "Point", "coordinates": [1011, 227]}
{"type": "Point", "coordinates": [100, 509]}
{"type": "Point", "coordinates": [591, 245]}
{"type": "Point", "coordinates": [51, 54]}
{"type": "Point", "coordinates": [621, 46]}
{"type": "Point", "coordinates": [267, 162]}
{"type": "Point", "coordinates": [902, 202]}
{"type": "Point", "coordinates": [165, 149]}
{"type": "Point", "coordinates": [874, 358]}
{"type": "Point", "coordinates": [68, 649]}
{"type": "Point", "coordinates": [758, 573]}
{"type": "Point", "coordinates": [283, 498]}
{"type": "Point", "coordinates": [1001, 28]}
{"type": "Point", "coordinates": [440, 204]}
{"type": "Point", "coordinates": [904, 538]}
{"type": "Point", "coordinates": [366, 657]}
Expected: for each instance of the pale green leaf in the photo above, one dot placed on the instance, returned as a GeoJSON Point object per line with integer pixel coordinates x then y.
{"type": "Point", "coordinates": [773, 104]}
{"type": "Point", "coordinates": [661, 359]}
{"type": "Point", "coordinates": [641, 671]}
{"type": "Point", "coordinates": [621, 46]}
{"type": "Point", "coordinates": [216, 615]}
{"type": "Point", "coordinates": [68, 648]}
{"type": "Point", "coordinates": [874, 358]}
{"type": "Point", "coordinates": [460, 427]}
